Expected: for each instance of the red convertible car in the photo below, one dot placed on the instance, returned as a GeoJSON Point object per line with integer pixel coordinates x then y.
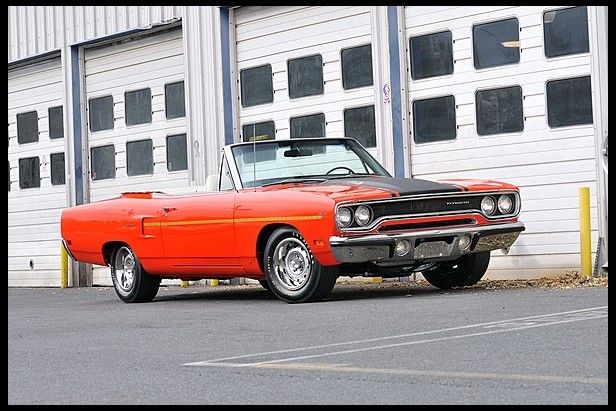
{"type": "Point", "coordinates": [296, 214]}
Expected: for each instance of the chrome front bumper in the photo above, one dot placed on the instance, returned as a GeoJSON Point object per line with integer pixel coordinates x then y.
{"type": "Point", "coordinates": [425, 245]}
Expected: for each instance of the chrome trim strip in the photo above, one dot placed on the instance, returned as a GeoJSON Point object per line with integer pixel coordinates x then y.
{"type": "Point", "coordinates": [394, 217]}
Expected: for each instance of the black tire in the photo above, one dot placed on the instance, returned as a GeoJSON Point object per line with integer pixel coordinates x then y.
{"type": "Point", "coordinates": [301, 278]}
{"type": "Point", "coordinates": [264, 284]}
{"type": "Point", "coordinates": [464, 271]}
{"type": "Point", "coordinates": [142, 287]}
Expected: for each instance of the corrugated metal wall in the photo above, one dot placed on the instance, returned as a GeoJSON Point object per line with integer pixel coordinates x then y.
{"type": "Point", "coordinates": [34, 30]}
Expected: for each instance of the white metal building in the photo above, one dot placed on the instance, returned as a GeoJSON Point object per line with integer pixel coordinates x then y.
{"type": "Point", "coordinates": [104, 99]}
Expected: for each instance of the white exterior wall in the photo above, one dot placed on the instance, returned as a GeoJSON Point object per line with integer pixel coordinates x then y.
{"type": "Point", "coordinates": [549, 165]}
{"type": "Point", "coordinates": [36, 30]}
{"type": "Point", "coordinates": [273, 35]}
{"type": "Point", "coordinates": [34, 213]}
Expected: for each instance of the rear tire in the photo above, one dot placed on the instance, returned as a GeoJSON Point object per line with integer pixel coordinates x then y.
{"type": "Point", "coordinates": [464, 271]}
{"type": "Point", "coordinates": [130, 281]}
{"type": "Point", "coordinates": [292, 272]}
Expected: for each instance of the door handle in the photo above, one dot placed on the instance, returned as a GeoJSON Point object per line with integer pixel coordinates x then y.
{"type": "Point", "coordinates": [167, 209]}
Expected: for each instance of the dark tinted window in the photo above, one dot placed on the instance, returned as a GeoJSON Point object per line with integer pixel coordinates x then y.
{"type": "Point", "coordinates": [434, 119]}
{"type": "Point", "coordinates": [305, 76]}
{"type": "Point", "coordinates": [262, 131]}
{"type": "Point", "coordinates": [257, 132]}
{"type": "Point", "coordinates": [56, 122]}
{"type": "Point", "coordinates": [27, 127]}
{"type": "Point", "coordinates": [565, 31]}
{"type": "Point", "coordinates": [177, 157]}
{"type": "Point", "coordinates": [57, 169]}
{"type": "Point", "coordinates": [356, 67]}
{"type": "Point", "coordinates": [29, 172]}
{"type": "Point", "coordinates": [496, 43]}
{"type": "Point", "coordinates": [174, 100]}
{"type": "Point", "coordinates": [359, 124]}
{"type": "Point", "coordinates": [499, 110]}
{"type": "Point", "coordinates": [431, 55]}
{"type": "Point", "coordinates": [257, 85]}
{"type": "Point", "coordinates": [138, 107]}
{"type": "Point", "coordinates": [103, 162]}
{"type": "Point", "coordinates": [308, 126]}
{"type": "Point", "coordinates": [139, 157]}
{"type": "Point", "coordinates": [101, 113]}
{"type": "Point", "coordinates": [569, 102]}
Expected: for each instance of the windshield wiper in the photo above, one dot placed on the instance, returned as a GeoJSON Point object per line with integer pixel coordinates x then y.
{"type": "Point", "coordinates": [295, 180]}
{"type": "Point", "coordinates": [350, 175]}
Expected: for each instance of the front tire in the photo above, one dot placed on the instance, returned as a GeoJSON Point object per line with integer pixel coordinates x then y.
{"type": "Point", "coordinates": [293, 274]}
{"type": "Point", "coordinates": [464, 271]}
{"type": "Point", "coordinates": [130, 281]}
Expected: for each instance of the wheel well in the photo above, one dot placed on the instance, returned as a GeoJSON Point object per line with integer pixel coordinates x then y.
{"type": "Point", "coordinates": [108, 249]}
{"type": "Point", "coordinates": [264, 235]}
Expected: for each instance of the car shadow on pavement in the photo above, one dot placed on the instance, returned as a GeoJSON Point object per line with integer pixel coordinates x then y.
{"type": "Point", "coordinates": [341, 292]}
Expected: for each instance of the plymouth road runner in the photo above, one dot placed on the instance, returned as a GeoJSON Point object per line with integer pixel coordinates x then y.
{"type": "Point", "coordinates": [295, 215]}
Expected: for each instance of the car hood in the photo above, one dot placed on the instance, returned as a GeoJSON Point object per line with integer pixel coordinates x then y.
{"type": "Point", "coordinates": [370, 187]}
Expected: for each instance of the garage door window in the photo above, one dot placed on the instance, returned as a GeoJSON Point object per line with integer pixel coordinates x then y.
{"type": "Point", "coordinates": [565, 31]}
{"type": "Point", "coordinates": [27, 127]}
{"type": "Point", "coordinates": [308, 126]}
{"type": "Point", "coordinates": [57, 169]}
{"type": "Point", "coordinates": [257, 86]}
{"type": "Point", "coordinates": [174, 100]}
{"type": "Point", "coordinates": [305, 76]}
{"type": "Point", "coordinates": [569, 102]}
{"type": "Point", "coordinates": [139, 158]}
{"type": "Point", "coordinates": [431, 55]}
{"type": "Point", "coordinates": [359, 124]}
{"type": "Point", "coordinates": [263, 131]}
{"type": "Point", "coordinates": [499, 111]}
{"type": "Point", "coordinates": [356, 67]}
{"type": "Point", "coordinates": [101, 113]}
{"type": "Point", "coordinates": [138, 107]}
{"type": "Point", "coordinates": [29, 172]}
{"type": "Point", "coordinates": [56, 122]}
{"type": "Point", "coordinates": [496, 43]}
{"type": "Point", "coordinates": [103, 162]}
{"type": "Point", "coordinates": [177, 157]}
{"type": "Point", "coordinates": [434, 119]}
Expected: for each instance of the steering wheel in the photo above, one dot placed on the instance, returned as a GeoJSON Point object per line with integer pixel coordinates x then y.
{"type": "Point", "coordinates": [341, 168]}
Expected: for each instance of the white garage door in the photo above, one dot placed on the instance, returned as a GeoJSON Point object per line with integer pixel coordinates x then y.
{"type": "Point", "coordinates": [136, 118]}
{"type": "Point", "coordinates": [504, 93]}
{"type": "Point", "coordinates": [305, 72]}
{"type": "Point", "coordinates": [36, 181]}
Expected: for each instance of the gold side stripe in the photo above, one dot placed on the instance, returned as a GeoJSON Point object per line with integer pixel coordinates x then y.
{"type": "Point", "coordinates": [232, 220]}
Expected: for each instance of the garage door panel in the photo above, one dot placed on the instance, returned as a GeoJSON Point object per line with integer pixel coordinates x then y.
{"type": "Point", "coordinates": [33, 213]}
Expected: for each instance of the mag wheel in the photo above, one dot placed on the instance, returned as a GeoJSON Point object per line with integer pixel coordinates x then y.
{"type": "Point", "coordinates": [131, 282]}
{"type": "Point", "coordinates": [466, 270]}
{"type": "Point", "coordinates": [293, 274]}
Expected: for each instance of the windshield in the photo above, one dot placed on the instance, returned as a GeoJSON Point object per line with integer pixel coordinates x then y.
{"type": "Point", "coordinates": [296, 160]}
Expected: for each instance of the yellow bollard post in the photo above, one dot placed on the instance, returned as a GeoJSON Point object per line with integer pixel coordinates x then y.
{"type": "Point", "coordinates": [214, 282]}
{"type": "Point", "coordinates": [377, 280]}
{"type": "Point", "coordinates": [183, 283]}
{"type": "Point", "coordinates": [63, 267]}
{"type": "Point", "coordinates": [585, 251]}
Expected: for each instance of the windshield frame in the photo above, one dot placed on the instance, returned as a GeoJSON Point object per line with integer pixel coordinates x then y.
{"type": "Point", "coordinates": [353, 144]}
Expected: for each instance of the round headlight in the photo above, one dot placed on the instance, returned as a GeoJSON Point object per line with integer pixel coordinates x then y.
{"type": "Point", "coordinates": [344, 217]}
{"type": "Point", "coordinates": [505, 204]}
{"type": "Point", "coordinates": [363, 215]}
{"type": "Point", "coordinates": [487, 205]}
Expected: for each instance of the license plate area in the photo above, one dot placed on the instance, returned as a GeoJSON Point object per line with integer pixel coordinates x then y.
{"type": "Point", "coordinates": [433, 249]}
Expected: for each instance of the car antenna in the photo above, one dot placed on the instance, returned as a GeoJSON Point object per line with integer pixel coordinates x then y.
{"type": "Point", "coordinates": [254, 157]}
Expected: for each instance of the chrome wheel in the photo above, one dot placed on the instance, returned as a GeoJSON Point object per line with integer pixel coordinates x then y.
{"type": "Point", "coordinates": [124, 268]}
{"type": "Point", "coordinates": [292, 263]}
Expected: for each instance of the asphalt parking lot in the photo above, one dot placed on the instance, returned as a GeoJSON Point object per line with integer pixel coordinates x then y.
{"type": "Point", "coordinates": [366, 344]}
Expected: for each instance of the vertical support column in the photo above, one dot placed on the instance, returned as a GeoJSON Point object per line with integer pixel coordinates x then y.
{"type": "Point", "coordinates": [205, 126]}
{"type": "Point", "coordinates": [227, 85]}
